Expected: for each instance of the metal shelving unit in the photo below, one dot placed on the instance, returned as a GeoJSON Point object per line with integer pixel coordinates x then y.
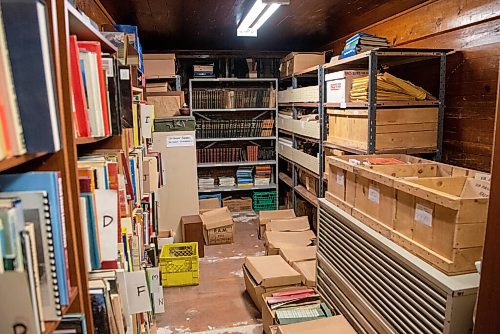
{"type": "Point", "coordinates": [316, 72]}
{"type": "Point", "coordinates": [206, 114]}
{"type": "Point", "coordinates": [385, 58]}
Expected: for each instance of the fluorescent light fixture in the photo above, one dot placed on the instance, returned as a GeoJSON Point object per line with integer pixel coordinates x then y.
{"type": "Point", "coordinates": [256, 17]}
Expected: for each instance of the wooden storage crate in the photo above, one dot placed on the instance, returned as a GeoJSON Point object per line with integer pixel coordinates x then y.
{"type": "Point", "coordinates": [442, 220]}
{"type": "Point", "coordinates": [306, 160]}
{"type": "Point", "coordinates": [286, 151]}
{"type": "Point", "coordinates": [397, 129]}
{"type": "Point", "coordinates": [285, 123]}
{"type": "Point", "coordinates": [308, 129]}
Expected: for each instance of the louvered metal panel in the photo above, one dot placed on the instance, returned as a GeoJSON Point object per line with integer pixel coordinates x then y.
{"type": "Point", "coordinates": [382, 288]}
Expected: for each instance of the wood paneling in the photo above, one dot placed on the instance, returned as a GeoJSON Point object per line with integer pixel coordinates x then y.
{"type": "Point", "coordinates": [472, 28]}
{"type": "Point", "coordinates": [205, 25]}
{"type": "Point", "coordinates": [96, 11]}
{"type": "Point", "coordinates": [487, 319]}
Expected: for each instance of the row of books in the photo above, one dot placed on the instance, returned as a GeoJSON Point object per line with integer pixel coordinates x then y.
{"type": "Point", "coordinates": [263, 175]}
{"type": "Point", "coordinates": [101, 89]}
{"type": "Point", "coordinates": [362, 42]}
{"type": "Point", "coordinates": [244, 176]}
{"type": "Point", "coordinates": [234, 128]}
{"type": "Point", "coordinates": [33, 249]}
{"type": "Point", "coordinates": [234, 98]}
{"type": "Point", "coordinates": [29, 116]}
{"type": "Point", "coordinates": [235, 154]}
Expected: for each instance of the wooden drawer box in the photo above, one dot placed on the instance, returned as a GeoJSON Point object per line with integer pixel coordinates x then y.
{"type": "Point", "coordinates": [307, 161]}
{"type": "Point", "coordinates": [286, 151]}
{"type": "Point", "coordinates": [303, 94]}
{"type": "Point", "coordinates": [397, 129]}
{"type": "Point", "coordinates": [287, 124]}
{"type": "Point", "coordinates": [308, 129]}
{"type": "Point", "coordinates": [434, 210]}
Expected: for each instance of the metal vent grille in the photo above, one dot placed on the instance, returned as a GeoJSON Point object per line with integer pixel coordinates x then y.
{"type": "Point", "coordinates": [401, 301]}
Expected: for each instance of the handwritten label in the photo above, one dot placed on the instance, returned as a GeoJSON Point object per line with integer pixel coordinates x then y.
{"type": "Point", "coordinates": [180, 141]}
{"type": "Point", "coordinates": [159, 302]}
{"type": "Point", "coordinates": [340, 178]}
{"type": "Point", "coordinates": [137, 292]}
{"type": "Point", "coordinates": [154, 279]}
{"type": "Point", "coordinates": [423, 215]}
{"type": "Point", "coordinates": [482, 177]}
{"type": "Point", "coordinates": [374, 194]}
{"type": "Point", "coordinates": [124, 74]}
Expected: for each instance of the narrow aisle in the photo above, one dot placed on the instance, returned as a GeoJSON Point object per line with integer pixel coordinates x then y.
{"type": "Point", "coordinates": [219, 305]}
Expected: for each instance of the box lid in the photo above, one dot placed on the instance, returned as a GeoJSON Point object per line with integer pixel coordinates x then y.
{"type": "Point", "coordinates": [295, 254]}
{"type": "Point", "coordinates": [337, 324]}
{"type": "Point", "coordinates": [158, 56]}
{"type": "Point", "coordinates": [217, 218]}
{"type": "Point", "coordinates": [192, 219]}
{"type": "Point", "coordinates": [271, 271]}
{"type": "Point", "coordinates": [308, 271]}
{"type": "Point", "coordinates": [344, 74]}
{"type": "Point", "coordinates": [289, 239]}
{"type": "Point", "coordinates": [207, 204]}
{"type": "Point", "coordinates": [268, 215]}
{"type": "Point", "coordinates": [297, 224]}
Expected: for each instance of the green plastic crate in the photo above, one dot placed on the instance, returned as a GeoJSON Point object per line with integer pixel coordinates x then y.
{"type": "Point", "coordinates": [264, 200]}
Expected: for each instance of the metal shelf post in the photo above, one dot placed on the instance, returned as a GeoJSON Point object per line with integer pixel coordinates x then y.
{"type": "Point", "coordinates": [372, 100]}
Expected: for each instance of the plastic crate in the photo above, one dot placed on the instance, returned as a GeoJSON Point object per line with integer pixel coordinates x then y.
{"type": "Point", "coordinates": [264, 200]}
{"type": "Point", "coordinates": [179, 264]}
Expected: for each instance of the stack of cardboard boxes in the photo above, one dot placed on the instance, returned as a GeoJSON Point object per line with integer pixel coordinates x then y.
{"type": "Point", "coordinates": [282, 284]}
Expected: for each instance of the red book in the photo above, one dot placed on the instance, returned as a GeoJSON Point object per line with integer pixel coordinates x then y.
{"type": "Point", "coordinates": [3, 127]}
{"type": "Point", "coordinates": [79, 100]}
{"type": "Point", "coordinates": [96, 48]}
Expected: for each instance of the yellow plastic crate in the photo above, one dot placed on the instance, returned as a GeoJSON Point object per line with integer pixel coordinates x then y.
{"type": "Point", "coordinates": [179, 264]}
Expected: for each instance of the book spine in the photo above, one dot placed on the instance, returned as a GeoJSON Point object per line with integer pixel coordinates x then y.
{"type": "Point", "coordinates": [64, 299]}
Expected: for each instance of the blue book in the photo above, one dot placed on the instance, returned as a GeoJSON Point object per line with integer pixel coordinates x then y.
{"type": "Point", "coordinates": [28, 40]}
{"type": "Point", "coordinates": [51, 183]}
{"type": "Point", "coordinates": [132, 176]}
{"type": "Point", "coordinates": [95, 261]}
{"type": "Point", "coordinates": [348, 53]}
{"type": "Point", "coordinates": [357, 36]}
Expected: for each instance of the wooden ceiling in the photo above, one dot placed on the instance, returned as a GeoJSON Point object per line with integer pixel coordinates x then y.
{"type": "Point", "coordinates": [211, 24]}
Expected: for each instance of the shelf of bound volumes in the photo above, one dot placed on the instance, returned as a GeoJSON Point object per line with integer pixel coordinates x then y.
{"type": "Point", "coordinates": [235, 134]}
{"type": "Point", "coordinates": [78, 180]}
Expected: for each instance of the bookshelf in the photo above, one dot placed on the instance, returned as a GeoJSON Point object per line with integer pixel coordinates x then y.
{"type": "Point", "coordinates": [232, 121]}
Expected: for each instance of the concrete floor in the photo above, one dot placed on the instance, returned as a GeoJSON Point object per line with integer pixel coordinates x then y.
{"type": "Point", "coordinates": [219, 305]}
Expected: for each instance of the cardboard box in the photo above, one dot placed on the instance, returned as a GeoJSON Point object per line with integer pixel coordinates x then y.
{"type": "Point", "coordinates": [337, 324]}
{"type": "Point", "coordinates": [159, 65]}
{"type": "Point", "coordinates": [209, 204]}
{"type": "Point", "coordinates": [268, 215]}
{"type": "Point", "coordinates": [308, 271]}
{"type": "Point", "coordinates": [218, 226]}
{"type": "Point", "coordinates": [237, 204]}
{"type": "Point", "coordinates": [268, 273]}
{"type": "Point", "coordinates": [338, 85]}
{"type": "Point", "coordinates": [297, 254]}
{"type": "Point", "coordinates": [192, 231]}
{"type": "Point", "coordinates": [268, 315]}
{"type": "Point", "coordinates": [157, 87]}
{"type": "Point", "coordinates": [277, 240]}
{"type": "Point", "coordinates": [298, 61]}
{"type": "Point", "coordinates": [165, 238]}
{"type": "Point", "coordinates": [298, 224]}
{"type": "Point", "coordinates": [166, 104]}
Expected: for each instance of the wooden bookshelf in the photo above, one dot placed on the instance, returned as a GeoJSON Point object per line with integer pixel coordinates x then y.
{"type": "Point", "coordinates": [89, 140]}
{"type": "Point", "coordinates": [9, 163]}
{"type": "Point", "coordinates": [51, 326]}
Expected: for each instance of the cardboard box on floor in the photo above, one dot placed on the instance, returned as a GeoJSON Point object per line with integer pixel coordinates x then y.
{"type": "Point", "coordinates": [192, 231]}
{"type": "Point", "coordinates": [308, 271]}
{"type": "Point", "coordinates": [268, 315]}
{"type": "Point", "coordinates": [277, 240]}
{"type": "Point", "coordinates": [218, 226]}
{"type": "Point", "coordinates": [297, 254]}
{"type": "Point", "coordinates": [337, 324]}
{"type": "Point", "coordinates": [298, 224]}
{"type": "Point", "coordinates": [267, 215]}
{"type": "Point", "coordinates": [237, 204]}
{"type": "Point", "coordinates": [268, 273]}
{"type": "Point", "coordinates": [209, 204]}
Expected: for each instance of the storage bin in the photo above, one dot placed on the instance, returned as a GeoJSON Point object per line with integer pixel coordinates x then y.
{"type": "Point", "coordinates": [264, 200]}
{"type": "Point", "coordinates": [179, 264]}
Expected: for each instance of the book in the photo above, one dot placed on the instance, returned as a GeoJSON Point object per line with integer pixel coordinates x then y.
{"type": "Point", "coordinates": [110, 66]}
{"type": "Point", "coordinates": [99, 308]}
{"type": "Point", "coordinates": [36, 210]}
{"type": "Point", "coordinates": [51, 183]}
{"type": "Point", "coordinates": [28, 39]}
{"type": "Point", "coordinates": [95, 48]}
{"type": "Point", "coordinates": [92, 91]}
{"type": "Point", "coordinates": [92, 231]}
{"type": "Point", "coordinates": [78, 90]}
{"type": "Point", "coordinates": [125, 89]}
{"type": "Point", "coordinates": [73, 321]}
{"type": "Point", "coordinates": [11, 215]}
{"type": "Point", "coordinates": [12, 137]}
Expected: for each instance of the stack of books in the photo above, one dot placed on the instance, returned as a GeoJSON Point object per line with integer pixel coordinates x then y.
{"type": "Point", "coordinates": [263, 175]}
{"type": "Point", "coordinates": [227, 181]}
{"type": "Point", "coordinates": [362, 42]}
{"type": "Point", "coordinates": [206, 183]}
{"type": "Point", "coordinates": [244, 177]}
{"type": "Point", "coordinates": [297, 306]}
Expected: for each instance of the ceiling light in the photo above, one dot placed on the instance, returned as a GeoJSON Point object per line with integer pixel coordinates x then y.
{"type": "Point", "coordinates": [260, 12]}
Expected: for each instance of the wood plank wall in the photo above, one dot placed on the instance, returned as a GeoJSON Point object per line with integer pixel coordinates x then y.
{"type": "Point", "coordinates": [95, 10]}
{"type": "Point", "coordinates": [471, 27]}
